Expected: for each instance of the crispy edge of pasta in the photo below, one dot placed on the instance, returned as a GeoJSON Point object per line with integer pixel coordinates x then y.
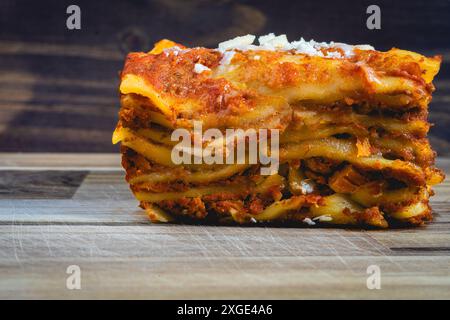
{"type": "Point", "coordinates": [345, 150]}
{"type": "Point", "coordinates": [204, 176]}
{"type": "Point", "coordinates": [232, 188]}
{"type": "Point", "coordinates": [156, 214]}
{"type": "Point", "coordinates": [413, 210]}
{"type": "Point", "coordinates": [336, 209]}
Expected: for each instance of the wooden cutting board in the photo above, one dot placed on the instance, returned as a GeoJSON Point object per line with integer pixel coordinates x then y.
{"type": "Point", "coordinates": [58, 210]}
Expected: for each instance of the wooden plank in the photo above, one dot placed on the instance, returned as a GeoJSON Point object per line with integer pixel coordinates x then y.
{"type": "Point", "coordinates": [209, 262]}
{"type": "Point", "coordinates": [60, 161]}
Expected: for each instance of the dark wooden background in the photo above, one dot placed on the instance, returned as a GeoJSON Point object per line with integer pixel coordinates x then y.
{"type": "Point", "coordinates": [58, 88]}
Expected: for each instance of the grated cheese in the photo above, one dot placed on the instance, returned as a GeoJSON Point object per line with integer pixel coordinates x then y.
{"type": "Point", "coordinates": [199, 68]}
{"type": "Point", "coordinates": [175, 50]}
{"type": "Point", "coordinates": [323, 218]}
{"type": "Point", "coordinates": [308, 221]}
{"type": "Point", "coordinates": [227, 57]}
{"type": "Point", "coordinates": [237, 42]}
{"type": "Point", "coordinates": [306, 187]}
{"type": "Point", "coordinates": [272, 42]}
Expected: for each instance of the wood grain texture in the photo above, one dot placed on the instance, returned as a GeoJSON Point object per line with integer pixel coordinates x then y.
{"type": "Point", "coordinates": [58, 88]}
{"type": "Point", "coordinates": [122, 255]}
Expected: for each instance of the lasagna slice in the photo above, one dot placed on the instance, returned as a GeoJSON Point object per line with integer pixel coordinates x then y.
{"type": "Point", "coordinates": [351, 127]}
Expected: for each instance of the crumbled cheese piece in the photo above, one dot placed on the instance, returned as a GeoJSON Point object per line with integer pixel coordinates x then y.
{"type": "Point", "coordinates": [348, 49]}
{"type": "Point", "coordinates": [306, 187]}
{"type": "Point", "coordinates": [175, 50]}
{"type": "Point", "coordinates": [264, 39]}
{"type": "Point", "coordinates": [227, 57]}
{"type": "Point", "coordinates": [323, 218]}
{"type": "Point", "coordinates": [256, 57]}
{"type": "Point", "coordinates": [237, 42]}
{"type": "Point", "coordinates": [364, 47]}
{"type": "Point", "coordinates": [199, 68]}
{"type": "Point", "coordinates": [308, 221]}
{"type": "Point", "coordinates": [334, 54]}
{"type": "Point", "coordinates": [306, 47]}
{"type": "Point", "coordinates": [272, 42]}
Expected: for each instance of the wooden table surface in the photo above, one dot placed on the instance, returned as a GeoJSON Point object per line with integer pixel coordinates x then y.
{"type": "Point", "coordinates": [58, 210]}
